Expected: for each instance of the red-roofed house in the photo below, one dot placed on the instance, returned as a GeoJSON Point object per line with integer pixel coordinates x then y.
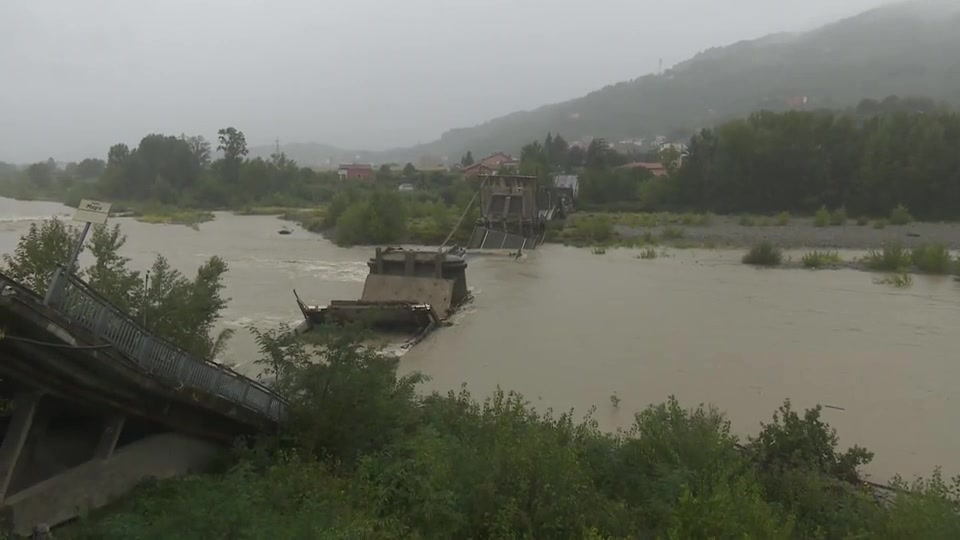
{"type": "Point", "coordinates": [355, 171]}
{"type": "Point", "coordinates": [490, 165]}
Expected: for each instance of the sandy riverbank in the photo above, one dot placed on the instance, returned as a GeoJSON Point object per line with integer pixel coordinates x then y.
{"type": "Point", "coordinates": [801, 233]}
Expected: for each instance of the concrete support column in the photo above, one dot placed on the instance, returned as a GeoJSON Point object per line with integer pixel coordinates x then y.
{"type": "Point", "coordinates": [24, 410]}
{"type": "Point", "coordinates": [109, 436]}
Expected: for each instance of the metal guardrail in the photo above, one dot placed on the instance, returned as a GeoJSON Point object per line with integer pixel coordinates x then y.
{"type": "Point", "coordinates": [160, 358]}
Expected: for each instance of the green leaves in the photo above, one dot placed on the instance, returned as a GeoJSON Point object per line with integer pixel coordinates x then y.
{"type": "Point", "coordinates": [39, 252]}
{"type": "Point", "coordinates": [169, 304]}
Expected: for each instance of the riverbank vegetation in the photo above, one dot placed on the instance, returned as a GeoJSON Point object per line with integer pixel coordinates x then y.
{"type": "Point", "coordinates": [764, 254]}
{"type": "Point", "coordinates": [399, 464]}
{"type": "Point", "coordinates": [165, 301]}
{"type": "Point", "coordinates": [765, 169]}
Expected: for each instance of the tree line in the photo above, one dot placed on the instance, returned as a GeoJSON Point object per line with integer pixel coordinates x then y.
{"type": "Point", "coordinates": [800, 161]}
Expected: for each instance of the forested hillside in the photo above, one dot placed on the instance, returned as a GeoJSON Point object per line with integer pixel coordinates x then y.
{"type": "Point", "coordinates": [906, 49]}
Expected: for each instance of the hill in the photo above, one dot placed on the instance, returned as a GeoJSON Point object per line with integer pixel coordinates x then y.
{"type": "Point", "coordinates": [905, 49]}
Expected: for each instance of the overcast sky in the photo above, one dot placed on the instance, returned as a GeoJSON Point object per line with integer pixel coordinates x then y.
{"type": "Point", "coordinates": [79, 75]}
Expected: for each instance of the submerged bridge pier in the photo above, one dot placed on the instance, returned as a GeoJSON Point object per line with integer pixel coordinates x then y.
{"type": "Point", "coordinates": [92, 404]}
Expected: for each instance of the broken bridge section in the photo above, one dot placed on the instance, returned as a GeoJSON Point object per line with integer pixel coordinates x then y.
{"type": "Point", "coordinates": [94, 404]}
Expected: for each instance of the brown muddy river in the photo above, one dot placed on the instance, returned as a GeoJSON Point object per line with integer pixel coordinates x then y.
{"type": "Point", "coordinates": [568, 329]}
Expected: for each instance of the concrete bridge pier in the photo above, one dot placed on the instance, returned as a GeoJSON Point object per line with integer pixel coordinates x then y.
{"type": "Point", "coordinates": [59, 460]}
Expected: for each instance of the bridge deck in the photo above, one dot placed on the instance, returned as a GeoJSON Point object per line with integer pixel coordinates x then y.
{"type": "Point", "coordinates": [82, 347]}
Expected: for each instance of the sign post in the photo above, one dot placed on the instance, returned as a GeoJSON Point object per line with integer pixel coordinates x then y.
{"type": "Point", "coordinates": [90, 213]}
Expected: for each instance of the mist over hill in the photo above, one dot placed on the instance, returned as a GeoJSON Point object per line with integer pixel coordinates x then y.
{"type": "Point", "coordinates": [906, 49]}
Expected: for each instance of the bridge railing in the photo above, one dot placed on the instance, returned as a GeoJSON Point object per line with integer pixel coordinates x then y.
{"type": "Point", "coordinates": [158, 357]}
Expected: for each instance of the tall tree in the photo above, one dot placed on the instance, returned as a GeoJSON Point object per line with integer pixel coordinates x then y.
{"type": "Point", "coordinates": [467, 159]}
{"type": "Point", "coordinates": [233, 144]}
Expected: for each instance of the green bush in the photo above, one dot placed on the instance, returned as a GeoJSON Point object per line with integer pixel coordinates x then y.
{"type": "Point", "coordinates": [648, 253]}
{"type": "Point", "coordinates": [880, 224]}
{"type": "Point", "coordinates": [589, 230]}
{"type": "Point", "coordinates": [448, 466]}
{"type": "Point", "coordinates": [863, 221]}
{"type": "Point", "coordinates": [900, 215]}
{"type": "Point", "coordinates": [819, 259]}
{"type": "Point", "coordinates": [783, 219]}
{"type": "Point", "coordinates": [932, 259]}
{"type": "Point", "coordinates": [764, 254]}
{"type": "Point", "coordinates": [822, 217]}
{"type": "Point", "coordinates": [893, 258]}
{"type": "Point", "coordinates": [747, 221]}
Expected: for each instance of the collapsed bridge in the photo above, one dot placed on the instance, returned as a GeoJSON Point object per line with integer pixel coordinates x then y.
{"type": "Point", "coordinates": [515, 210]}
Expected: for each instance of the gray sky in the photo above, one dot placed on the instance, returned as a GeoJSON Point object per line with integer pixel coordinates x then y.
{"type": "Point", "coordinates": [79, 75]}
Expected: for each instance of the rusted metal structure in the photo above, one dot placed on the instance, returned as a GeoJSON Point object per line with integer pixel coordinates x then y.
{"type": "Point", "coordinates": [413, 291]}
{"type": "Point", "coordinates": [514, 211]}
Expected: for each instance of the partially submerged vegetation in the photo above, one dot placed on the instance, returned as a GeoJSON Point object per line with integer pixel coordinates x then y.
{"type": "Point", "coordinates": [400, 465]}
{"type": "Point", "coordinates": [764, 254]}
{"type": "Point", "coordinates": [819, 259]}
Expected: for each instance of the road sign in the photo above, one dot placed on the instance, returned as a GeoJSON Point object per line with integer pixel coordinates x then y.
{"type": "Point", "coordinates": [95, 212]}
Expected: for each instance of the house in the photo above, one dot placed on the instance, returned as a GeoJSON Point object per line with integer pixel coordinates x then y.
{"type": "Point", "coordinates": [356, 171]}
{"type": "Point", "coordinates": [657, 169]}
{"type": "Point", "coordinates": [490, 165]}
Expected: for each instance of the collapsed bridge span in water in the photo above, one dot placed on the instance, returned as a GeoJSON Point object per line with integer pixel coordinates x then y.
{"type": "Point", "coordinates": [515, 210]}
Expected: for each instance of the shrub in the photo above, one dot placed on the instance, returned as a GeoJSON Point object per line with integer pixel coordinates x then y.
{"type": "Point", "coordinates": [783, 219]}
{"type": "Point", "coordinates": [648, 253]}
{"type": "Point", "coordinates": [863, 220]}
{"type": "Point", "coordinates": [819, 259]}
{"type": "Point", "coordinates": [932, 259]}
{"type": "Point", "coordinates": [764, 254]}
{"type": "Point", "coordinates": [838, 217]}
{"type": "Point", "coordinates": [900, 215]}
{"type": "Point", "coordinates": [893, 258]}
{"type": "Point", "coordinates": [822, 217]}
{"type": "Point", "coordinates": [880, 224]}
{"type": "Point", "coordinates": [591, 230]}
{"type": "Point", "coordinates": [747, 221]}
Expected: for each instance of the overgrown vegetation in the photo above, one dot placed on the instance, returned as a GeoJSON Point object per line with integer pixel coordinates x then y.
{"type": "Point", "coordinates": [892, 258]}
{"type": "Point", "coordinates": [168, 303]}
{"type": "Point", "coordinates": [932, 259]}
{"type": "Point", "coordinates": [900, 215]}
{"type": "Point", "coordinates": [764, 254]}
{"type": "Point", "coordinates": [399, 465]}
{"type": "Point", "coordinates": [822, 217]}
{"type": "Point", "coordinates": [819, 259]}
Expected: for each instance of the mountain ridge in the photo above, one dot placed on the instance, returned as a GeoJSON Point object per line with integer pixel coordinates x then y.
{"type": "Point", "coordinates": [898, 49]}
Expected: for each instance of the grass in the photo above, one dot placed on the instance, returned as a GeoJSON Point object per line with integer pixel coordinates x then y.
{"type": "Point", "coordinates": [747, 221]}
{"type": "Point", "coordinates": [880, 224]}
{"type": "Point", "coordinates": [932, 259]}
{"type": "Point", "coordinates": [819, 259]}
{"type": "Point", "coordinates": [172, 216]}
{"type": "Point", "coordinates": [822, 217]}
{"type": "Point", "coordinates": [648, 253]}
{"type": "Point", "coordinates": [764, 254]}
{"type": "Point", "coordinates": [599, 251]}
{"type": "Point", "coordinates": [893, 258]}
{"type": "Point", "coordinates": [863, 221]}
{"type": "Point", "coordinates": [900, 215]}
{"type": "Point", "coordinates": [782, 219]}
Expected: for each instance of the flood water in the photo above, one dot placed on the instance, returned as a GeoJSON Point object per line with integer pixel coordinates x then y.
{"type": "Point", "coordinates": [568, 329]}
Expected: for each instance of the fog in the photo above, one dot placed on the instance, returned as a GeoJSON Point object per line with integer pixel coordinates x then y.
{"type": "Point", "coordinates": [80, 76]}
